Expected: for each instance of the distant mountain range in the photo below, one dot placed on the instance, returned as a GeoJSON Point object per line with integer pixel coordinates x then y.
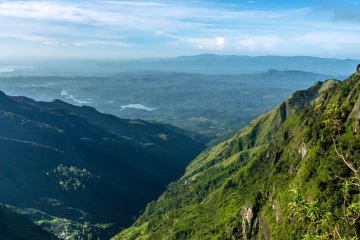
{"type": "Point", "coordinates": [209, 104]}
{"type": "Point", "coordinates": [76, 171]}
{"type": "Point", "coordinates": [204, 64]}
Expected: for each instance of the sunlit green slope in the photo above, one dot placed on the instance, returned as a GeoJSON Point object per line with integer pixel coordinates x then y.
{"type": "Point", "coordinates": [278, 178]}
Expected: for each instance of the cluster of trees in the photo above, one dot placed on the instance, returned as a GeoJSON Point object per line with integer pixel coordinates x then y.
{"type": "Point", "coordinates": [72, 178]}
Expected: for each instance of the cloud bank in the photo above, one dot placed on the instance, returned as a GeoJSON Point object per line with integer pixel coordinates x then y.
{"type": "Point", "coordinates": [169, 28]}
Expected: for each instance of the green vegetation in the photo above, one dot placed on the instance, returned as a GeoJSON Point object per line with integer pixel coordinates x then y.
{"type": "Point", "coordinates": [293, 173]}
{"type": "Point", "coordinates": [65, 228]}
{"type": "Point", "coordinates": [320, 220]}
{"type": "Point", "coordinates": [72, 178]}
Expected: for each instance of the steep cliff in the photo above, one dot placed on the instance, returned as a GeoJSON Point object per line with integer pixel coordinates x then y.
{"type": "Point", "coordinates": [291, 174]}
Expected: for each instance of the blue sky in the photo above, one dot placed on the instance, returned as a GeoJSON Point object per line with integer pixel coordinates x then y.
{"type": "Point", "coordinates": [166, 28]}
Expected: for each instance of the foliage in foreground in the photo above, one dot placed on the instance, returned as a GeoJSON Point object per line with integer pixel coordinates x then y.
{"type": "Point", "coordinates": [320, 220]}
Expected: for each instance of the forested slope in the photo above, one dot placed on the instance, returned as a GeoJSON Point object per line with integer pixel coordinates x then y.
{"type": "Point", "coordinates": [80, 173]}
{"type": "Point", "coordinates": [291, 174]}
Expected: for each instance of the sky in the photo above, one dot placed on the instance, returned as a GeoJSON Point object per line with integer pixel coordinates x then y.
{"type": "Point", "coordinates": [116, 29]}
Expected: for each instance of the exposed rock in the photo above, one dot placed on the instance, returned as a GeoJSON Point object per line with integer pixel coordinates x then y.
{"type": "Point", "coordinates": [247, 217]}
{"type": "Point", "coordinates": [357, 73]}
{"type": "Point", "coordinates": [276, 210]}
{"type": "Point", "coordinates": [356, 114]}
{"type": "Point", "coordinates": [264, 230]}
{"type": "Point", "coordinates": [291, 170]}
{"type": "Point", "coordinates": [303, 150]}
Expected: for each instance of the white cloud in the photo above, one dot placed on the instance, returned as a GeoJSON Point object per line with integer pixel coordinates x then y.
{"type": "Point", "coordinates": [31, 38]}
{"type": "Point", "coordinates": [153, 25]}
{"type": "Point", "coordinates": [334, 41]}
{"type": "Point", "coordinates": [43, 10]}
{"type": "Point", "coordinates": [137, 4]}
{"type": "Point", "coordinates": [248, 43]}
{"type": "Point", "coordinates": [220, 42]}
{"type": "Point", "coordinates": [217, 43]}
{"type": "Point", "coordinates": [145, 16]}
{"type": "Point", "coordinates": [140, 15]}
{"type": "Point", "coordinates": [79, 44]}
{"type": "Point", "coordinates": [331, 37]}
{"type": "Point", "coordinates": [166, 34]}
{"type": "Point", "coordinates": [101, 43]}
{"type": "Point", "coordinates": [254, 42]}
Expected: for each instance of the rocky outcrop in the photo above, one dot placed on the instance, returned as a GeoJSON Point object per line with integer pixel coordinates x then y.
{"type": "Point", "coordinates": [303, 150]}
{"type": "Point", "coordinates": [357, 73]}
{"type": "Point", "coordinates": [264, 229]}
{"type": "Point", "coordinates": [253, 226]}
{"type": "Point", "coordinates": [356, 114]}
{"type": "Point", "coordinates": [247, 217]}
{"type": "Point", "coordinates": [276, 209]}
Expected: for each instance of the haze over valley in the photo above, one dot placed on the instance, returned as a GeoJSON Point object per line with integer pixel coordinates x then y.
{"type": "Point", "coordinates": [213, 105]}
{"type": "Point", "coordinates": [179, 120]}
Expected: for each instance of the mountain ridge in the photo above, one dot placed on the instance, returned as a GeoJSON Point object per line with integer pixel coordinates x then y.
{"type": "Point", "coordinates": [243, 187]}
{"type": "Point", "coordinates": [203, 63]}
{"type": "Point", "coordinates": [73, 164]}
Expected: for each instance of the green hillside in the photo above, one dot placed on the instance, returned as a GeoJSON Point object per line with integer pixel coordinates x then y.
{"type": "Point", "coordinates": [82, 174]}
{"type": "Point", "coordinates": [291, 174]}
{"type": "Point", "coordinates": [15, 227]}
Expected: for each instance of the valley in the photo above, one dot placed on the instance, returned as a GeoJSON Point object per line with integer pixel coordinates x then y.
{"type": "Point", "coordinates": [211, 105]}
{"type": "Point", "coordinates": [179, 120]}
{"type": "Point", "coordinates": [78, 173]}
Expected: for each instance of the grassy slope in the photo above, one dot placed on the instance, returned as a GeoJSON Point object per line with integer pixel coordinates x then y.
{"type": "Point", "coordinates": [251, 174]}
